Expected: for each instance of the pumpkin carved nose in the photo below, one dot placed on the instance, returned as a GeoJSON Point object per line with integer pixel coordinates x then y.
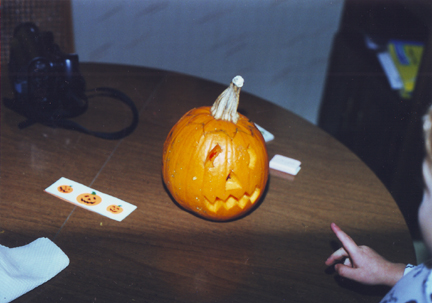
{"type": "Point", "coordinates": [232, 182]}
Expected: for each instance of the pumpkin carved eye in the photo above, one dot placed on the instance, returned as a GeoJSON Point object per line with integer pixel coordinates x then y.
{"type": "Point", "coordinates": [252, 157]}
{"type": "Point", "coordinates": [215, 161]}
{"type": "Point", "coordinates": [214, 153]}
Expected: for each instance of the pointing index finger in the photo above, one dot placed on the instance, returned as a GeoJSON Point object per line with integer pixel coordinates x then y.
{"type": "Point", "coordinates": [347, 242]}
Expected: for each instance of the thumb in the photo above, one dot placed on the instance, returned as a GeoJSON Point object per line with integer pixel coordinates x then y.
{"type": "Point", "coordinates": [346, 271]}
{"type": "Point", "coordinates": [352, 273]}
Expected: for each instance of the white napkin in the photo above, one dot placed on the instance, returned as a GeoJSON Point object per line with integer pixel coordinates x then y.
{"type": "Point", "coordinates": [26, 267]}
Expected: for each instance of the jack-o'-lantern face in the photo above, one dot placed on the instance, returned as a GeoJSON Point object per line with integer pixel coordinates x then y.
{"type": "Point", "coordinates": [215, 168]}
{"type": "Point", "coordinates": [89, 199]}
{"type": "Point", "coordinates": [66, 189]}
{"type": "Point", "coordinates": [115, 209]}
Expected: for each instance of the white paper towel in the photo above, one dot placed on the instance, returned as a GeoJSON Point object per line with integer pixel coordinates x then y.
{"type": "Point", "coordinates": [26, 267]}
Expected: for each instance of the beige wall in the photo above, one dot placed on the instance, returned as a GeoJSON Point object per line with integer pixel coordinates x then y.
{"type": "Point", "coordinates": [280, 47]}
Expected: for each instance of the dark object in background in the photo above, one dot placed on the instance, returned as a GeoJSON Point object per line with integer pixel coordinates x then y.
{"type": "Point", "coordinates": [360, 109]}
{"type": "Point", "coordinates": [47, 84]}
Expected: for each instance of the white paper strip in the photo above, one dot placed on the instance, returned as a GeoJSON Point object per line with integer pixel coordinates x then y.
{"type": "Point", "coordinates": [90, 199]}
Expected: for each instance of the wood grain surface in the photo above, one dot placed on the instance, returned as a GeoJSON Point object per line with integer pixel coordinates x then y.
{"type": "Point", "coordinates": [161, 253]}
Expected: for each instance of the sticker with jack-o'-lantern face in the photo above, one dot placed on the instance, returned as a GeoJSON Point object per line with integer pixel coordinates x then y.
{"type": "Point", "coordinates": [66, 189]}
{"type": "Point", "coordinates": [89, 199]}
{"type": "Point", "coordinates": [115, 209]}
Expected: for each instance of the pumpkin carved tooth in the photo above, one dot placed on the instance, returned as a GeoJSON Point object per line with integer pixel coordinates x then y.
{"type": "Point", "coordinates": [231, 202]}
{"type": "Point", "coordinates": [223, 158]}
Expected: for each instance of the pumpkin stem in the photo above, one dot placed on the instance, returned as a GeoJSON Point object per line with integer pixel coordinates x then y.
{"type": "Point", "coordinates": [225, 106]}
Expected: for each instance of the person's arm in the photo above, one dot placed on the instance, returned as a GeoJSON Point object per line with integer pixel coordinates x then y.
{"type": "Point", "coordinates": [363, 264]}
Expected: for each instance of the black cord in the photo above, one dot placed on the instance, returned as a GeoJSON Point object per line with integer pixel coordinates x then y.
{"type": "Point", "coordinates": [59, 118]}
{"type": "Point", "coordinates": [113, 93]}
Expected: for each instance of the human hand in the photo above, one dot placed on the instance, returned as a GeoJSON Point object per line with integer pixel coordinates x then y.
{"type": "Point", "coordinates": [363, 264]}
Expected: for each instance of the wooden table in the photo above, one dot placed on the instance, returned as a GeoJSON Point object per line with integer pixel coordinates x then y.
{"type": "Point", "coordinates": [161, 253]}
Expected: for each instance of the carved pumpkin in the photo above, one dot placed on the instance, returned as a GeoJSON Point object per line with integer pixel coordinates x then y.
{"type": "Point", "coordinates": [89, 199]}
{"type": "Point", "coordinates": [215, 161]}
{"type": "Point", "coordinates": [115, 209]}
{"type": "Point", "coordinates": [66, 189]}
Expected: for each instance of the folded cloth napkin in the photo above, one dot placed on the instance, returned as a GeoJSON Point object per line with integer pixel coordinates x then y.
{"type": "Point", "coordinates": [26, 267]}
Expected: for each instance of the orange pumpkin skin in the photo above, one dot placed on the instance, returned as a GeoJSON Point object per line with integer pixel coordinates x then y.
{"type": "Point", "coordinates": [215, 168]}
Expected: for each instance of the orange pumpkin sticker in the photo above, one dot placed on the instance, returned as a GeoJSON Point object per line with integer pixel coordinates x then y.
{"type": "Point", "coordinates": [115, 209]}
{"type": "Point", "coordinates": [89, 199]}
{"type": "Point", "coordinates": [66, 189]}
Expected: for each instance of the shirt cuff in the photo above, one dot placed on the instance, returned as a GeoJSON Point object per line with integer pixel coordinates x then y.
{"type": "Point", "coordinates": [408, 268]}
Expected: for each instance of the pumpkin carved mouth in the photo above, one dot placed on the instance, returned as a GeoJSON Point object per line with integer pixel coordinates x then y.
{"type": "Point", "coordinates": [232, 202]}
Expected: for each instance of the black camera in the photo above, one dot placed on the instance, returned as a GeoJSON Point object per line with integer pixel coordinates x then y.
{"type": "Point", "coordinates": [47, 83]}
{"type": "Point", "coordinates": [48, 87]}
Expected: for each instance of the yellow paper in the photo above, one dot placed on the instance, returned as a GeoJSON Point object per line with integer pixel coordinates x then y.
{"type": "Point", "coordinates": [407, 58]}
